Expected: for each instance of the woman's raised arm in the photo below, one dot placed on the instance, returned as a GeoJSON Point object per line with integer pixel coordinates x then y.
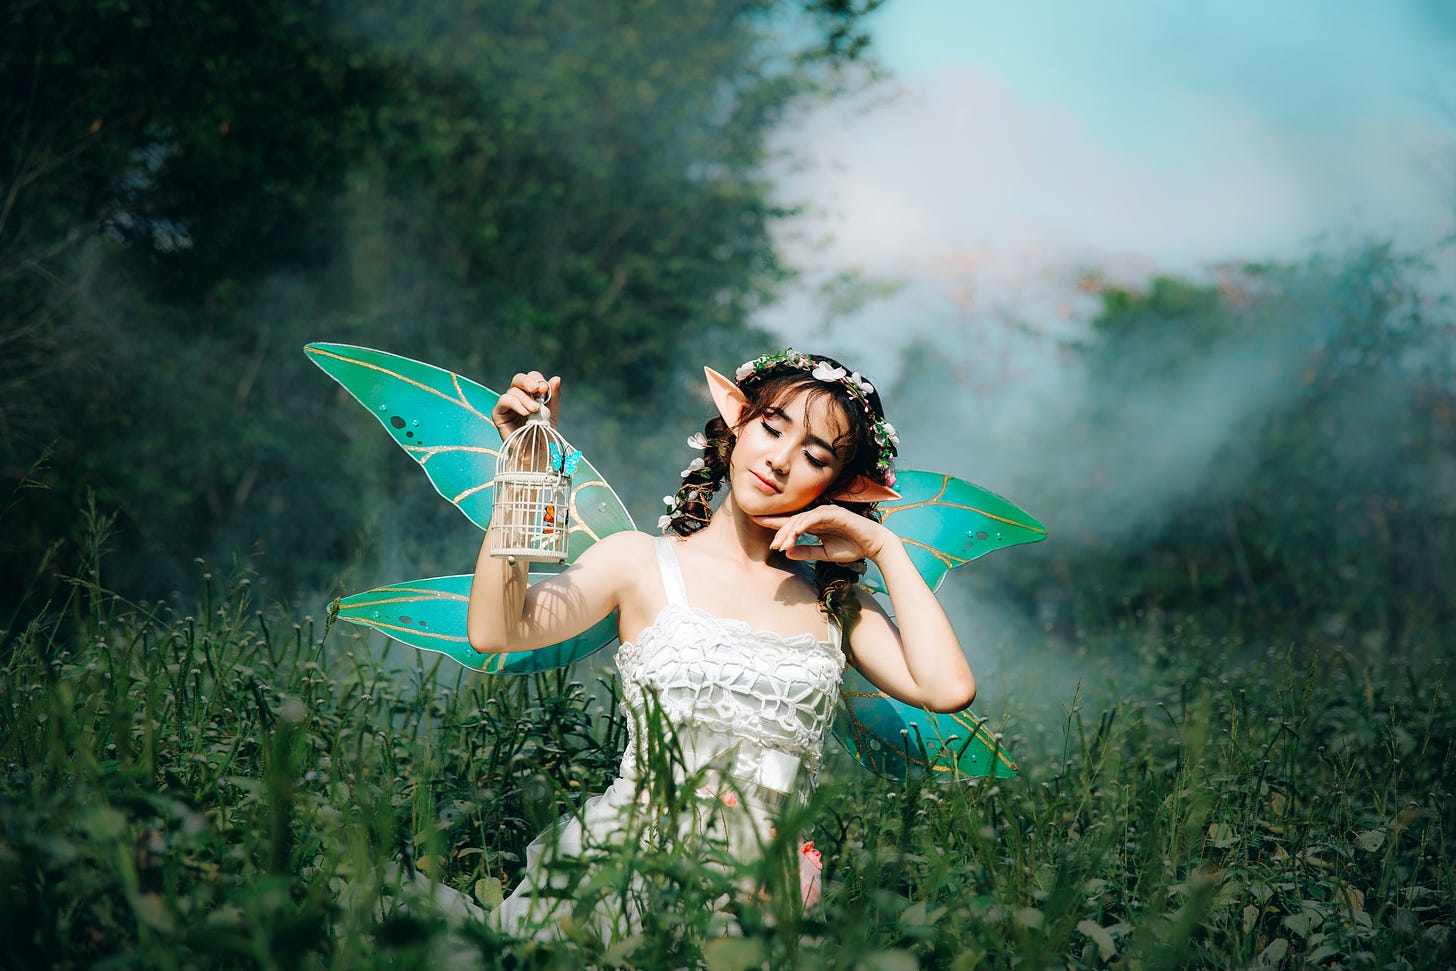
{"type": "Point", "coordinates": [506, 613]}
{"type": "Point", "coordinates": [920, 662]}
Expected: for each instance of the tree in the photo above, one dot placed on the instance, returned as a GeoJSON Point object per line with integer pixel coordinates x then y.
{"type": "Point", "coordinates": [578, 185]}
{"type": "Point", "coordinates": [1275, 448]}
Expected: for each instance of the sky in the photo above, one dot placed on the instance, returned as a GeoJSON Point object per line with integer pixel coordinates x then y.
{"type": "Point", "coordinates": [1018, 145]}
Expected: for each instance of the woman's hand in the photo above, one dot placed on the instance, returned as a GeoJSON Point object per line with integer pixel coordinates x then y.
{"type": "Point", "coordinates": [844, 536]}
{"type": "Point", "coordinates": [915, 658]}
{"type": "Point", "coordinates": [519, 401]}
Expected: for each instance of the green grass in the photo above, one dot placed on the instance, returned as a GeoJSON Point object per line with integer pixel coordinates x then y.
{"type": "Point", "coordinates": [229, 787]}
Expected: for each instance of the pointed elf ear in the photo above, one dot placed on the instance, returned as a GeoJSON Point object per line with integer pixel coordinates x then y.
{"type": "Point", "coordinates": [730, 401]}
{"type": "Point", "coordinates": [864, 489]}
{"type": "Point", "coordinates": [732, 405]}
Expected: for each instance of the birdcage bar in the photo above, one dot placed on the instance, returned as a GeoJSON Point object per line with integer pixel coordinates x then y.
{"type": "Point", "coordinates": [530, 517]}
{"type": "Point", "coordinates": [530, 513]}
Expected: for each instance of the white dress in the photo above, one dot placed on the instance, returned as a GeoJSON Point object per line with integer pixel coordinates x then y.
{"type": "Point", "coordinates": [748, 711]}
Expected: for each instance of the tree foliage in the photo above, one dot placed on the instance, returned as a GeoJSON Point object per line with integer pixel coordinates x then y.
{"type": "Point", "coordinates": [195, 190]}
{"type": "Point", "coordinates": [1326, 395]}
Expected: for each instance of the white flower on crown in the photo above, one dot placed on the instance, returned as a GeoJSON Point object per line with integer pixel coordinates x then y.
{"type": "Point", "coordinates": [864, 385]}
{"type": "Point", "coordinates": [693, 466]}
{"type": "Point", "coordinates": [669, 501]}
{"type": "Point", "coordinates": [697, 440]}
{"type": "Point", "coordinates": [824, 372]}
{"type": "Point", "coordinates": [664, 521]}
{"type": "Point", "coordinates": [744, 370]}
{"type": "Point", "coordinates": [890, 434]}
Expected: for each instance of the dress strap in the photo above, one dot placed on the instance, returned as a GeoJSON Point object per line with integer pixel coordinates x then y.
{"type": "Point", "coordinates": [672, 578]}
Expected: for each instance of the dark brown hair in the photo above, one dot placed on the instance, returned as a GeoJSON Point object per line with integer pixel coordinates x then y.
{"type": "Point", "coordinates": [856, 446]}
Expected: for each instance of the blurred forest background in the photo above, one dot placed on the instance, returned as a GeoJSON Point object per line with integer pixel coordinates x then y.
{"type": "Point", "coordinates": [1248, 475]}
{"type": "Point", "coordinates": [191, 191]}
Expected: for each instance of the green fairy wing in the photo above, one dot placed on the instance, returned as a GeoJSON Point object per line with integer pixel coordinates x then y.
{"type": "Point", "coordinates": [442, 421]}
{"type": "Point", "coordinates": [944, 522]}
{"type": "Point", "coordinates": [430, 615]}
{"type": "Point", "coordinates": [898, 741]}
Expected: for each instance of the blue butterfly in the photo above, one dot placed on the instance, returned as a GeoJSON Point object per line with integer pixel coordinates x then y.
{"type": "Point", "coordinates": [565, 464]}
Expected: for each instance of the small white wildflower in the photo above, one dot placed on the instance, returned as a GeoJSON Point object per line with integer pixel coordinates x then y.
{"type": "Point", "coordinates": [823, 372]}
{"type": "Point", "coordinates": [865, 386]}
{"type": "Point", "coordinates": [693, 466]}
{"type": "Point", "coordinates": [744, 370]}
{"type": "Point", "coordinates": [697, 440]}
{"type": "Point", "coordinates": [664, 521]}
{"type": "Point", "coordinates": [890, 434]}
{"type": "Point", "coordinates": [669, 501]}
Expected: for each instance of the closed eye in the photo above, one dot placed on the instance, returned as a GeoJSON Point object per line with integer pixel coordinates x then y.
{"type": "Point", "coordinates": [770, 429]}
{"type": "Point", "coordinates": [815, 462]}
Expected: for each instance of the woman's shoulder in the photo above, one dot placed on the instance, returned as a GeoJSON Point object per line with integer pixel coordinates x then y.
{"type": "Point", "coordinates": [620, 561]}
{"type": "Point", "coordinates": [627, 554]}
{"type": "Point", "coordinates": [627, 544]}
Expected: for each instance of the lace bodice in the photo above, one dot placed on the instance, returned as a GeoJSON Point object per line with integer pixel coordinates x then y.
{"type": "Point", "coordinates": [725, 686]}
{"type": "Point", "coordinates": [747, 711]}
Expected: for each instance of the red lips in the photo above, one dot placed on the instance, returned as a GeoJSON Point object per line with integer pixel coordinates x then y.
{"type": "Point", "coordinates": [765, 484]}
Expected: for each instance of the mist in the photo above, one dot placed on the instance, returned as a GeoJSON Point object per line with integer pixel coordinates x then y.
{"type": "Point", "coordinates": [603, 210]}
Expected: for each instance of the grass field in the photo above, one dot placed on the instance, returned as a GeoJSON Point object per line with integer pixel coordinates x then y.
{"type": "Point", "coordinates": [227, 787]}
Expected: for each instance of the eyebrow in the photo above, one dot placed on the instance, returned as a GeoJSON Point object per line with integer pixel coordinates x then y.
{"type": "Point", "coordinates": [779, 414]}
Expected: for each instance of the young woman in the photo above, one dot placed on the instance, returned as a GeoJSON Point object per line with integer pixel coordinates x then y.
{"type": "Point", "coordinates": [733, 632]}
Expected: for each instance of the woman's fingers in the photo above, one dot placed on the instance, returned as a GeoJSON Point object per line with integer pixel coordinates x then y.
{"type": "Point", "coordinates": [843, 535]}
{"type": "Point", "coordinates": [553, 387]}
{"type": "Point", "coordinates": [519, 400]}
{"type": "Point", "coordinates": [788, 533]}
{"type": "Point", "coordinates": [818, 522]}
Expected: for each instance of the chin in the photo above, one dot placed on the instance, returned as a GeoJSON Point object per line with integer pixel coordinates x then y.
{"type": "Point", "coordinates": [756, 503]}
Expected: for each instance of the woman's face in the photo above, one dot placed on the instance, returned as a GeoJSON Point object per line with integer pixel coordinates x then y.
{"type": "Point", "coordinates": [785, 459]}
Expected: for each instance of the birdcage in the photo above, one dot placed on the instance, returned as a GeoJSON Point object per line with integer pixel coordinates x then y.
{"type": "Point", "coordinates": [529, 518]}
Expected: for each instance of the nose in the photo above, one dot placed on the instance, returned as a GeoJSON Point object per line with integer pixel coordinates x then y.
{"type": "Point", "coordinates": [777, 458]}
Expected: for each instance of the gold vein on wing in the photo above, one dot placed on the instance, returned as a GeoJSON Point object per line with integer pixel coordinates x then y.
{"type": "Point", "coordinates": [418, 592]}
{"type": "Point", "coordinates": [414, 631]}
{"type": "Point", "coordinates": [935, 500]}
{"type": "Point", "coordinates": [937, 764]}
{"type": "Point", "coordinates": [460, 400]}
{"type": "Point", "coordinates": [957, 505]}
{"type": "Point", "coordinates": [423, 453]}
{"type": "Point", "coordinates": [577, 523]}
{"type": "Point", "coordinates": [862, 732]}
{"type": "Point", "coordinates": [941, 555]}
{"type": "Point", "coordinates": [472, 491]}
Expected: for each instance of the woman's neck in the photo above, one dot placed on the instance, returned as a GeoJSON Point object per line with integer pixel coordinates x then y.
{"type": "Point", "coordinates": [731, 529]}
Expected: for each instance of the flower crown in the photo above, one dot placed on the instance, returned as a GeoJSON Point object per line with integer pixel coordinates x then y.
{"type": "Point", "coordinates": [886, 441]}
{"type": "Point", "coordinates": [859, 389]}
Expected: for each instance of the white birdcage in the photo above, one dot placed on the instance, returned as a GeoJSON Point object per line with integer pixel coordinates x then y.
{"type": "Point", "coordinates": [529, 518]}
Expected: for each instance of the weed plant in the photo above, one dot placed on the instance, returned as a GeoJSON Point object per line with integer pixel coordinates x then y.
{"type": "Point", "coordinates": [227, 788]}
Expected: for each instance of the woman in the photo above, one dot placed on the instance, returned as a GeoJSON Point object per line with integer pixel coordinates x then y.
{"type": "Point", "coordinates": [727, 639]}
